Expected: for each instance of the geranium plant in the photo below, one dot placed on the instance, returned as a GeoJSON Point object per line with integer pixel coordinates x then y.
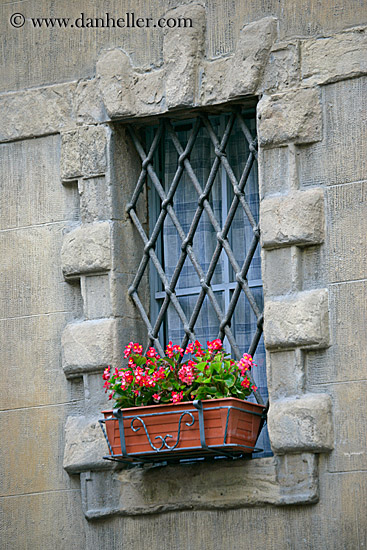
{"type": "Point", "coordinates": [150, 379]}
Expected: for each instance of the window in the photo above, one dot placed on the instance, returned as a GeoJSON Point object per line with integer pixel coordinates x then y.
{"type": "Point", "coordinates": [202, 252]}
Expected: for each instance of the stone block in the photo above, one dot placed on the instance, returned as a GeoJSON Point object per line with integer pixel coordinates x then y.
{"type": "Point", "coordinates": [96, 296]}
{"type": "Point", "coordinates": [128, 247]}
{"type": "Point", "coordinates": [251, 55]}
{"type": "Point", "coordinates": [47, 520]}
{"type": "Point", "coordinates": [346, 359]}
{"type": "Point", "coordinates": [233, 77]}
{"type": "Point", "coordinates": [31, 193]}
{"type": "Point", "coordinates": [95, 199]}
{"type": "Point", "coordinates": [334, 58]}
{"type": "Point", "coordinates": [85, 445]}
{"type": "Point", "coordinates": [294, 116]}
{"type": "Point", "coordinates": [282, 69]}
{"type": "Point", "coordinates": [346, 244]}
{"type": "Point", "coordinates": [115, 76]}
{"type": "Point", "coordinates": [71, 165]}
{"type": "Point", "coordinates": [37, 112]}
{"type": "Point", "coordinates": [88, 103]}
{"type": "Point", "coordinates": [341, 157]}
{"type": "Point", "coordinates": [87, 249]}
{"type": "Point", "coordinates": [31, 353]}
{"type": "Point", "coordinates": [273, 171]}
{"type": "Point", "coordinates": [32, 280]}
{"type": "Point", "coordinates": [285, 374]}
{"type": "Point", "coordinates": [293, 219]}
{"type": "Point", "coordinates": [300, 320]}
{"type": "Point", "coordinates": [350, 421]}
{"type": "Point", "coordinates": [122, 304]}
{"type": "Point", "coordinates": [301, 424]}
{"type": "Point", "coordinates": [84, 152]}
{"type": "Point", "coordinates": [93, 142]}
{"type": "Point", "coordinates": [89, 346]}
{"type": "Point", "coordinates": [277, 271]}
{"type": "Point", "coordinates": [31, 459]}
{"type": "Point", "coordinates": [95, 397]}
{"type": "Point", "coordinates": [183, 48]}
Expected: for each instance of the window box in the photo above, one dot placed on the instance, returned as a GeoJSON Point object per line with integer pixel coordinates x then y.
{"type": "Point", "coordinates": [220, 427]}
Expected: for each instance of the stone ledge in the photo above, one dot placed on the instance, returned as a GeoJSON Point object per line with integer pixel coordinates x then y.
{"type": "Point", "coordinates": [90, 346]}
{"type": "Point", "coordinates": [301, 424]}
{"type": "Point", "coordinates": [301, 320]}
{"type": "Point", "coordinates": [87, 249]}
{"type": "Point", "coordinates": [294, 219]}
{"type": "Point", "coordinates": [294, 116]}
{"type": "Point", "coordinates": [326, 60]}
{"type": "Point", "coordinates": [279, 481]}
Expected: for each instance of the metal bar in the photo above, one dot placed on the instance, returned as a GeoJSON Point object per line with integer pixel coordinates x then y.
{"type": "Point", "coordinates": [119, 415]}
{"type": "Point", "coordinates": [199, 406]}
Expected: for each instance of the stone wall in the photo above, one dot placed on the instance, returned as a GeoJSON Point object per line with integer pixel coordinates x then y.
{"type": "Point", "coordinates": [69, 254]}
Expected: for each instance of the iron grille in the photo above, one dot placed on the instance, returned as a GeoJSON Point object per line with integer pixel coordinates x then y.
{"type": "Point", "coordinates": [241, 287]}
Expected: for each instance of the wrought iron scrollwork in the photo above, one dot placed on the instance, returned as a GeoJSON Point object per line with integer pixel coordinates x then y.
{"type": "Point", "coordinates": [164, 446]}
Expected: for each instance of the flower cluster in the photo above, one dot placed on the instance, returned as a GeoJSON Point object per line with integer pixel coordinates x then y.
{"type": "Point", "coordinates": [208, 374]}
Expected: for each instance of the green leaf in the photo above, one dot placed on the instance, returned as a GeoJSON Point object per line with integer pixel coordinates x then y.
{"type": "Point", "coordinates": [139, 361]}
{"type": "Point", "coordinates": [229, 380]}
{"type": "Point", "coordinates": [201, 366]}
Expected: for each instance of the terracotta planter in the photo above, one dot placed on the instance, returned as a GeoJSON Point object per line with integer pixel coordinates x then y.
{"type": "Point", "coordinates": [226, 426]}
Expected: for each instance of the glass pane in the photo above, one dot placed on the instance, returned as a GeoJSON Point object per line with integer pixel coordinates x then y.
{"type": "Point", "coordinates": [207, 324]}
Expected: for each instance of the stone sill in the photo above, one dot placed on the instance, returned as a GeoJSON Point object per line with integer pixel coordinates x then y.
{"type": "Point", "coordinates": [278, 480]}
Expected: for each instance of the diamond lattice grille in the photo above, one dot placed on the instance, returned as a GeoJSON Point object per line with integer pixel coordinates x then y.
{"type": "Point", "coordinates": [221, 228]}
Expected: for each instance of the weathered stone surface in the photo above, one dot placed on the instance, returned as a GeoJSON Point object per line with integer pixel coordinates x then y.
{"type": "Point", "coordinates": [30, 349]}
{"type": "Point", "coordinates": [71, 165]}
{"type": "Point", "coordinates": [294, 117]}
{"type": "Point", "coordinates": [93, 149]}
{"type": "Point", "coordinates": [32, 280]}
{"type": "Point", "coordinates": [350, 419]}
{"type": "Point", "coordinates": [280, 481]}
{"type": "Point", "coordinates": [334, 58]}
{"type": "Point", "coordinates": [89, 346]}
{"type": "Point", "coordinates": [86, 249]}
{"type": "Point", "coordinates": [183, 49]}
{"type": "Point", "coordinates": [84, 152]}
{"type": "Point", "coordinates": [301, 320]}
{"type": "Point", "coordinates": [251, 55]}
{"type": "Point", "coordinates": [273, 171]}
{"type": "Point", "coordinates": [26, 520]}
{"type": "Point", "coordinates": [301, 424]}
{"type": "Point", "coordinates": [285, 374]}
{"type": "Point", "coordinates": [225, 79]}
{"type": "Point", "coordinates": [115, 76]}
{"type": "Point", "coordinates": [88, 103]}
{"type": "Point", "coordinates": [346, 245]}
{"type": "Point", "coordinates": [37, 112]}
{"type": "Point", "coordinates": [341, 157]}
{"type": "Point", "coordinates": [95, 199]}
{"type": "Point", "coordinates": [95, 396]}
{"type": "Point", "coordinates": [96, 296]}
{"type": "Point", "coordinates": [30, 168]}
{"type": "Point", "coordinates": [32, 461]}
{"type": "Point", "coordinates": [296, 218]}
{"type": "Point", "coordinates": [85, 445]}
{"type": "Point", "coordinates": [278, 271]}
{"type": "Point", "coordinates": [301, 527]}
{"type": "Point", "coordinates": [282, 70]}
{"type": "Point", "coordinates": [346, 359]}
